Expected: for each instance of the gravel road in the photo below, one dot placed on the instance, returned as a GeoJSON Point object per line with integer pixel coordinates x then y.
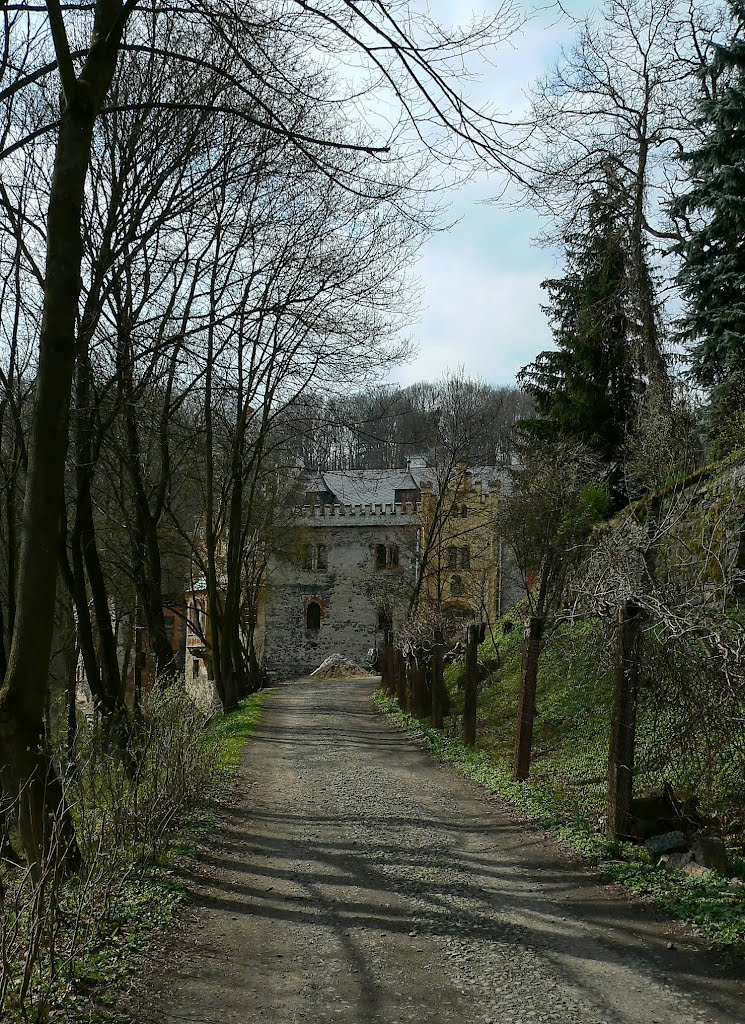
{"type": "Point", "coordinates": [355, 880]}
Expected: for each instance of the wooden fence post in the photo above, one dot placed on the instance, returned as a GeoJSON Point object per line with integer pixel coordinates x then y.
{"type": "Point", "coordinates": [418, 690]}
{"type": "Point", "coordinates": [623, 722]}
{"type": "Point", "coordinates": [438, 702]}
{"type": "Point", "coordinates": [471, 687]}
{"type": "Point", "coordinates": [526, 700]}
{"type": "Point", "coordinates": [386, 663]}
{"type": "Point", "coordinates": [399, 663]}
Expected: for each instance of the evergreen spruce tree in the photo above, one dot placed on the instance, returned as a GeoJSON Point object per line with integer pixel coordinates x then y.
{"type": "Point", "coordinates": [587, 388]}
{"type": "Point", "coordinates": [712, 275]}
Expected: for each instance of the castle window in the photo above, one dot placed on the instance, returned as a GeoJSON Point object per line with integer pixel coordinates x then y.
{"type": "Point", "coordinates": [385, 620]}
{"type": "Point", "coordinates": [316, 557]}
{"type": "Point", "coordinates": [194, 667]}
{"type": "Point", "coordinates": [452, 557]}
{"type": "Point", "coordinates": [465, 558]}
{"type": "Point", "coordinates": [456, 586]}
{"type": "Point", "coordinates": [313, 616]}
{"type": "Point", "coordinates": [386, 557]}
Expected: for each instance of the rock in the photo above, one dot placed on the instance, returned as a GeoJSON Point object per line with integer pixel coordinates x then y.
{"type": "Point", "coordinates": [675, 861]}
{"type": "Point", "coordinates": [711, 853]}
{"type": "Point", "coordinates": [696, 870]}
{"type": "Point", "coordinates": [668, 842]}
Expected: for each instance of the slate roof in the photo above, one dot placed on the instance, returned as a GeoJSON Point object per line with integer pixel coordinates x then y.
{"type": "Point", "coordinates": [376, 486]}
{"type": "Point", "coordinates": [368, 486]}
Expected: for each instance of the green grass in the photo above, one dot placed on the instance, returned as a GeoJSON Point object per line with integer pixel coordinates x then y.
{"type": "Point", "coordinates": [226, 735]}
{"type": "Point", "coordinates": [564, 792]}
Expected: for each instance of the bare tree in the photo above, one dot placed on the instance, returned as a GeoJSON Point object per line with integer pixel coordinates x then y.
{"type": "Point", "coordinates": [73, 54]}
{"type": "Point", "coordinates": [623, 96]}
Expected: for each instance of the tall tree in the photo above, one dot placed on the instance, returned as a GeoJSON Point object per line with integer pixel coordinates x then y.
{"type": "Point", "coordinates": [622, 95]}
{"type": "Point", "coordinates": [712, 275]}
{"type": "Point", "coordinates": [587, 388]}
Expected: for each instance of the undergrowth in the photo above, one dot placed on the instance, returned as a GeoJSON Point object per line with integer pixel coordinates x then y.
{"type": "Point", "coordinates": [68, 948]}
{"type": "Point", "coordinates": [716, 908]}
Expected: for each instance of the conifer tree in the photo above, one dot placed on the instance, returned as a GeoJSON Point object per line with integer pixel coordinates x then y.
{"type": "Point", "coordinates": [712, 275]}
{"type": "Point", "coordinates": [587, 388]}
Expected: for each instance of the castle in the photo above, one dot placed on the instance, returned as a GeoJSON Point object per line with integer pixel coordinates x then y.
{"type": "Point", "coordinates": [367, 543]}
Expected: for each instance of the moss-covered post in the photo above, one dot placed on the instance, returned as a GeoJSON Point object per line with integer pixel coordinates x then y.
{"type": "Point", "coordinates": [438, 701]}
{"type": "Point", "coordinates": [623, 721]}
{"type": "Point", "coordinates": [471, 684]}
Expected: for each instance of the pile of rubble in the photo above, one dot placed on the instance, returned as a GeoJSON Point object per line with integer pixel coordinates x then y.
{"type": "Point", "coordinates": [338, 667]}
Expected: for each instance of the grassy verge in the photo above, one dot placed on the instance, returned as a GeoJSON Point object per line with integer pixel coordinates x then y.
{"type": "Point", "coordinates": [713, 906]}
{"type": "Point", "coordinates": [141, 899]}
{"type": "Point", "coordinates": [226, 736]}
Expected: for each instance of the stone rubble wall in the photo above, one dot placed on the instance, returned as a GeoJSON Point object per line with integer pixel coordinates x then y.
{"type": "Point", "coordinates": [351, 590]}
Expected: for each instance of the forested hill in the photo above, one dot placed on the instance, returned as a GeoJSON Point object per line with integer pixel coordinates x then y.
{"type": "Point", "coordinates": [381, 429]}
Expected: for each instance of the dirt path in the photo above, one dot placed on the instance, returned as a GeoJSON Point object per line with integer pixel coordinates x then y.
{"type": "Point", "coordinates": [357, 881]}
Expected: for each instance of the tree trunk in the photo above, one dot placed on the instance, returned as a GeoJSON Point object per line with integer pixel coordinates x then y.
{"type": "Point", "coordinates": [623, 722]}
{"type": "Point", "coordinates": [149, 575]}
{"type": "Point", "coordinates": [526, 700]}
{"type": "Point", "coordinates": [26, 765]}
{"type": "Point", "coordinates": [419, 690]}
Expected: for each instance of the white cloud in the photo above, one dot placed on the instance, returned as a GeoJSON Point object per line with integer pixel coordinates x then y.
{"type": "Point", "coordinates": [489, 322]}
{"type": "Point", "coordinates": [481, 282]}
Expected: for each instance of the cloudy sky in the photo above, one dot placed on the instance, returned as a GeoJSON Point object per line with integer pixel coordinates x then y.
{"type": "Point", "coordinates": [481, 279]}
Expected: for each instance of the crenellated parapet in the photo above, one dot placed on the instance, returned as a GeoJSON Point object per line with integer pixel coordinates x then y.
{"type": "Point", "coordinates": [321, 511]}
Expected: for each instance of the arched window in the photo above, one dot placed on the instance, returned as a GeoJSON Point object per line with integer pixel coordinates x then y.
{"type": "Point", "coordinates": [456, 586]}
{"type": "Point", "coordinates": [323, 558]}
{"type": "Point", "coordinates": [465, 558]}
{"type": "Point", "coordinates": [452, 556]}
{"type": "Point", "coordinates": [380, 556]}
{"type": "Point", "coordinates": [313, 616]}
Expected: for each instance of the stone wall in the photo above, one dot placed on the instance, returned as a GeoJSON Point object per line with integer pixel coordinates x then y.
{"type": "Point", "coordinates": [353, 592]}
